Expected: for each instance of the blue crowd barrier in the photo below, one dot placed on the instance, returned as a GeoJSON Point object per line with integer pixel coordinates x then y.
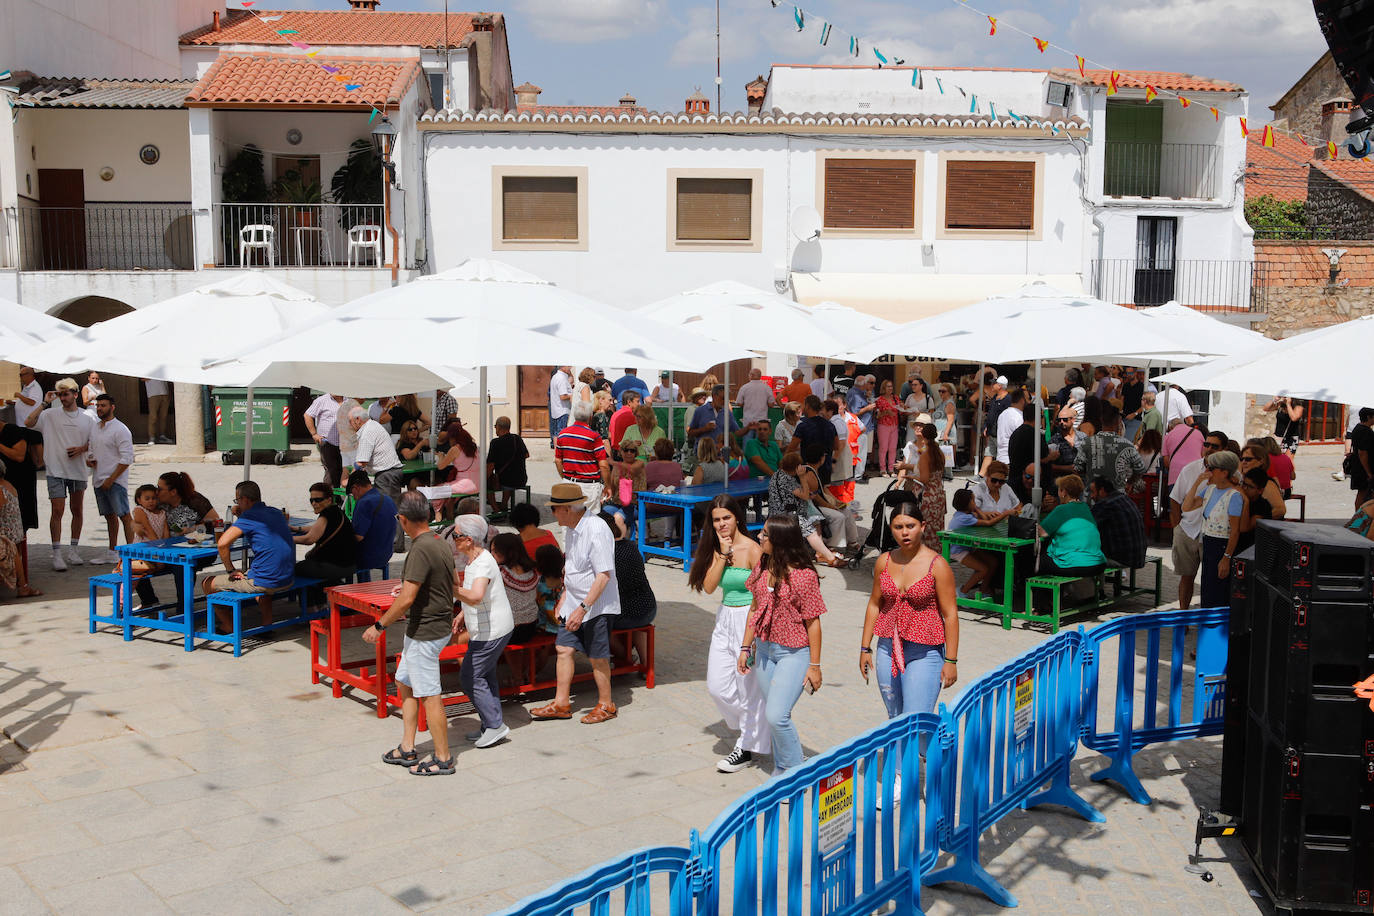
{"type": "Point", "coordinates": [1017, 732]}
{"type": "Point", "coordinates": [1133, 728]}
{"type": "Point", "coordinates": [834, 837]}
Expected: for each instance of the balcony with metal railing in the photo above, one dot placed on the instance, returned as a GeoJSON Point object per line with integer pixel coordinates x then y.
{"type": "Point", "coordinates": [1176, 171]}
{"type": "Point", "coordinates": [1208, 286]}
{"type": "Point", "coordinates": [99, 236]}
{"type": "Point", "coordinates": [300, 235]}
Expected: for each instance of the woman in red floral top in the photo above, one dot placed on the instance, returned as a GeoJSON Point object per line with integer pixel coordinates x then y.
{"type": "Point", "coordinates": [782, 638]}
{"type": "Point", "coordinates": [912, 601]}
{"type": "Point", "coordinates": [886, 410]}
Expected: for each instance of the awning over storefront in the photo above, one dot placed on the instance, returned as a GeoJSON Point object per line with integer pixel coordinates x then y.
{"type": "Point", "coordinates": [903, 297]}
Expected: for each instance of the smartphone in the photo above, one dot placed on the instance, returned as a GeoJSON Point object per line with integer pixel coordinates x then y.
{"type": "Point", "coordinates": [806, 685]}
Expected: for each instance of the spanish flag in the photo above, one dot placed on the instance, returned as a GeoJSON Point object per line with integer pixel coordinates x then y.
{"type": "Point", "coordinates": [1330, 149]}
{"type": "Point", "coordinates": [993, 21]}
{"type": "Point", "coordinates": [1040, 44]}
{"type": "Point", "coordinates": [1150, 93]}
{"type": "Point", "coordinates": [1184, 102]}
{"type": "Point", "coordinates": [1267, 139]}
{"type": "Point", "coordinates": [1216, 115]}
{"type": "Point", "coordinates": [1079, 58]}
{"type": "Point", "coordinates": [1244, 128]}
{"type": "Point", "coordinates": [1111, 82]}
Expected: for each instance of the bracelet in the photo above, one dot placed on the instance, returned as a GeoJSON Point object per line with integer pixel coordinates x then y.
{"type": "Point", "coordinates": [746, 648]}
{"type": "Point", "coordinates": [951, 661]}
{"type": "Point", "coordinates": [866, 649]}
{"type": "Point", "coordinates": [814, 665]}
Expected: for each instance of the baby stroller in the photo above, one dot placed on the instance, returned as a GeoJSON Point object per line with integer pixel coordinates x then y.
{"type": "Point", "coordinates": [879, 534]}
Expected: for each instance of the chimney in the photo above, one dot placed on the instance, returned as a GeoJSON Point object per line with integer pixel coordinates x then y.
{"type": "Point", "coordinates": [1335, 115]}
{"type": "Point", "coordinates": [481, 22]}
{"type": "Point", "coordinates": [628, 101]}
{"type": "Point", "coordinates": [697, 103]}
{"type": "Point", "coordinates": [215, 25]}
{"type": "Point", "coordinates": [527, 95]}
{"type": "Point", "coordinates": [754, 91]}
{"type": "Point", "coordinates": [365, 6]}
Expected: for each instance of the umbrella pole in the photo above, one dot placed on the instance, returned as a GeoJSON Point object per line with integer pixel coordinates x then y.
{"type": "Point", "coordinates": [248, 438]}
{"type": "Point", "coordinates": [1164, 408]}
{"type": "Point", "coordinates": [1036, 491]}
{"type": "Point", "coordinates": [975, 446]}
{"type": "Point", "coordinates": [481, 441]}
{"type": "Point", "coordinates": [729, 414]}
{"type": "Point", "coordinates": [433, 428]}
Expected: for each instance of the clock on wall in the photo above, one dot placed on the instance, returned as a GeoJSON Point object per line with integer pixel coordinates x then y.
{"type": "Point", "coordinates": [293, 136]}
{"type": "Point", "coordinates": [149, 154]}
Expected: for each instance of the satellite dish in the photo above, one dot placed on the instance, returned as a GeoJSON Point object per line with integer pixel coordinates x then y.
{"type": "Point", "coordinates": [805, 224]}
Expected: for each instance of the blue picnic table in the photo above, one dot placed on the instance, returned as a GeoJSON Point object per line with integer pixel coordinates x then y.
{"type": "Point", "coordinates": [173, 551]}
{"type": "Point", "coordinates": [685, 499]}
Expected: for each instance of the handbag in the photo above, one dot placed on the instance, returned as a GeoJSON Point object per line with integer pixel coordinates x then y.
{"type": "Point", "coordinates": [1023, 528]}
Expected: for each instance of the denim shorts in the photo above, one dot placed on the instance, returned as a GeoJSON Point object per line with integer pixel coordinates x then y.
{"type": "Point", "coordinates": [113, 501]}
{"type": "Point", "coordinates": [62, 487]}
{"type": "Point", "coordinates": [418, 668]}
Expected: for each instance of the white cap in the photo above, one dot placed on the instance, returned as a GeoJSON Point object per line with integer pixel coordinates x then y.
{"type": "Point", "coordinates": [1002, 380]}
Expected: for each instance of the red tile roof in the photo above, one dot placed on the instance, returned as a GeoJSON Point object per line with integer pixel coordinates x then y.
{"type": "Point", "coordinates": [273, 80]}
{"type": "Point", "coordinates": [1279, 171]}
{"type": "Point", "coordinates": [344, 27]}
{"type": "Point", "coordinates": [1357, 174]}
{"type": "Point", "coordinates": [1174, 82]}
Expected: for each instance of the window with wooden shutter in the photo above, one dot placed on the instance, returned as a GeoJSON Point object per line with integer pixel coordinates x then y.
{"type": "Point", "coordinates": [982, 194]}
{"type": "Point", "coordinates": [714, 209]}
{"type": "Point", "coordinates": [539, 207]}
{"type": "Point", "coordinates": [870, 193]}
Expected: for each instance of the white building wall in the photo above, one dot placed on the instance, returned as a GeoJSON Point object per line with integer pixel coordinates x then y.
{"type": "Point", "coordinates": [90, 140]}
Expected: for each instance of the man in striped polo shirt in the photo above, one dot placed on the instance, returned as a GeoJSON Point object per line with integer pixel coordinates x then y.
{"type": "Point", "coordinates": [580, 456]}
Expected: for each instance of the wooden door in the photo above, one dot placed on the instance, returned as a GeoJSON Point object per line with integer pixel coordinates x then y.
{"type": "Point", "coordinates": [533, 398]}
{"type": "Point", "coordinates": [1133, 149]}
{"type": "Point", "coordinates": [62, 221]}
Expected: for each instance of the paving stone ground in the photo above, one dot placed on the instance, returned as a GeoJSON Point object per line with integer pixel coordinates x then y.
{"type": "Point", "coordinates": [135, 777]}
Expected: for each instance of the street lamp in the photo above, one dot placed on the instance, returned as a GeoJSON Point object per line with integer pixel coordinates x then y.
{"type": "Point", "coordinates": [384, 137]}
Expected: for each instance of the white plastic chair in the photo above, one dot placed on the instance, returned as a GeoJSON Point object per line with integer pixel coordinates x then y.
{"type": "Point", "coordinates": [365, 237]}
{"type": "Point", "coordinates": [257, 236]}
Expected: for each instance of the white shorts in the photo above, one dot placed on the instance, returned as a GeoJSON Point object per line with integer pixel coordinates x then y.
{"type": "Point", "coordinates": [418, 668]}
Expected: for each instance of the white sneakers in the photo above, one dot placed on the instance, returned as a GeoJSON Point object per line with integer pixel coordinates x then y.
{"type": "Point", "coordinates": [58, 564]}
{"type": "Point", "coordinates": [491, 736]}
{"type": "Point", "coordinates": [74, 556]}
{"type": "Point", "coordinates": [738, 759]}
{"type": "Point", "coordinates": [105, 556]}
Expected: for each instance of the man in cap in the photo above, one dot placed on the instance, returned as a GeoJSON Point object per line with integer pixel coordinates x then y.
{"type": "Point", "coordinates": [601, 383]}
{"type": "Point", "coordinates": [667, 391]}
{"type": "Point", "coordinates": [590, 599]}
{"type": "Point", "coordinates": [66, 439]}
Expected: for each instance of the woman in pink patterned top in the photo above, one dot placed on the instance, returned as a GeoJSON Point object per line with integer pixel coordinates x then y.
{"type": "Point", "coordinates": [782, 637]}
{"type": "Point", "coordinates": [912, 601]}
{"type": "Point", "coordinates": [887, 410]}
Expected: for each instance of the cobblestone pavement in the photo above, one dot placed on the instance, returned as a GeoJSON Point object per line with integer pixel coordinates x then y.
{"type": "Point", "coordinates": [135, 777]}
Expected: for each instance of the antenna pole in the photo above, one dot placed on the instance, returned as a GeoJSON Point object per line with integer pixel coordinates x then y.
{"type": "Point", "coordinates": [717, 58]}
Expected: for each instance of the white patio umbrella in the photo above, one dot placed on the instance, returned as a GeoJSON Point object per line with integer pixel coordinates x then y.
{"type": "Point", "coordinates": [846, 325]}
{"type": "Point", "coordinates": [1035, 323]}
{"type": "Point", "coordinates": [1328, 364]}
{"type": "Point", "coordinates": [479, 314]}
{"type": "Point", "coordinates": [172, 339]}
{"type": "Point", "coordinates": [22, 327]}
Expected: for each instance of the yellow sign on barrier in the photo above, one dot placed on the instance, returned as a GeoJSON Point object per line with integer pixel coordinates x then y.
{"type": "Point", "coordinates": [835, 811]}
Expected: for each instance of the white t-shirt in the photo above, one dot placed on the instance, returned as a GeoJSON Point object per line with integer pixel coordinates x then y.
{"type": "Point", "coordinates": [1178, 407]}
{"type": "Point", "coordinates": [911, 454]}
{"type": "Point", "coordinates": [155, 387]}
{"type": "Point", "coordinates": [820, 387]}
{"type": "Point", "coordinates": [843, 469]}
{"type": "Point", "coordinates": [375, 448]}
{"type": "Point", "coordinates": [982, 498]}
{"type": "Point", "coordinates": [1007, 421]}
{"type": "Point", "coordinates": [669, 392]}
{"type": "Point", "coordinates": [1190, 521]}
{"type": "Point", "coordinates": [754, 398]}
{"type": "Point", "coordinates": [559, 385]}
{"type": "Point", "coordinates": [34, 391]}
{"type": "Point", "coordinates": [112, 445]}
{"type": "Point", "coordinates": [590, 550]}
{"type": "Point", "coordinates": [492, 617]}
{"type": "Point", "coordinates": [64, 429]}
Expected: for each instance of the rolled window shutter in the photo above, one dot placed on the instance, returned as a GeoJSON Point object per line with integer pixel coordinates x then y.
{"type": "Point", "coordinates": [714, 209]}
{"type": "Point", "coordinates": [870, 194]}
{"type": "Point", "coordinates": [989, 195]}
{"type": "Point", "coordinates": [538, 207]}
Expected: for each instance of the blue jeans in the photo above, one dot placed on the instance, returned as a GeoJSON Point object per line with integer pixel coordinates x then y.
{"type": "Point", "coordinates": [1131, 428]}
{"type": "Point", "coordinates": [918, 687]}
{"type": "Point", "coordinates": [556, 426]}
{"type": "Point", "coordinates": [781, 672]}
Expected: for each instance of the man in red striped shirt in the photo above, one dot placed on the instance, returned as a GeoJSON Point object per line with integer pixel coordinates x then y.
{"type": "Point", "coordinates": [579, 454]}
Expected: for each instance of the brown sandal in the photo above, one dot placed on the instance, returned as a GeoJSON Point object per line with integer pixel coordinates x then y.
{"type": "Point", "coordinates": [601, 712]}
{"type": "Point", "coordinates": [552, 711]}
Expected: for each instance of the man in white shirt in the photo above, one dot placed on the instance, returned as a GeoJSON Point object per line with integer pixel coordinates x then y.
{"type": "Point", "coordinates": [1187, 546]}
{"type": "Point", "coordinates": [377, 455]}
{"type": "Point", "coordinates": [112, 453]}
{"type": "Point", "coordinates": [590, 599]}
{"type": "Point", "coordinates": [820, 386]}
{"type": "Point", "coordinates": [27, 397]}
{"type": "Point", "coordinates": [1173, 404]}
{"type": "Point", "coordinates": [1007, 423]}
{"type": "Point", "coordinates": [159, 402]}
{"type": "Point", "coordinates": [322, 420]}
{"type": "Point", "coordinates": [666, 391]}
{"type": "Point", "coordinates": [755, 397]}
{"type": "Point", "coordinates": [66, 439]}
{"type": "Point", "coordinates": [560, 401]}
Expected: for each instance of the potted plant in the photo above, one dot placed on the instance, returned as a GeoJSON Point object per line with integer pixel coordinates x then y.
{"type": "Point", "coordinates": [358, 185]}
{"type": "Point", "coordinates": [243, 184]}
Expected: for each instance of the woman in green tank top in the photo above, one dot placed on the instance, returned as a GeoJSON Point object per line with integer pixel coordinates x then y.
{"type": "Point", "coordinates": [725, 557]}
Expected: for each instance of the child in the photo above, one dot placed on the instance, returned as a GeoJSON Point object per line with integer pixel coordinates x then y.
{"type": "Point", "coordinates": [150, 524]}
{"type": "Point", "coordinates": [983, 564]}
{"type": "Point", "coordinates": [548, 560]}
{"type": "Point", "coordinates": [521, 579]}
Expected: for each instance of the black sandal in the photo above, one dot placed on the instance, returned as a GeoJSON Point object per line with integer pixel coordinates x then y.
{"type": "Point", "coordinates": [401, 758]}
{"type": "Point", "coordinates": [434, 767]}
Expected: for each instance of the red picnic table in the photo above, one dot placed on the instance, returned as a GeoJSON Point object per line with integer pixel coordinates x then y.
{"type": "Point", "coordinates": [360, 605]}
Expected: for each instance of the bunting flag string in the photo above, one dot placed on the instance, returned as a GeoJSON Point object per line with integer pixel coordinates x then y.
{"type": "Point", "coordinates": [1267, 138]}
{"type": "Point", "coordinates": [1185, 102]}
{"type": "Point", "coordinates": [1150, 93]}
{"type": "Point", "coordinates": [1081, 72]}
{"type": "Point", "coordinates": [1112, 83]}
{"type": "Point", "coordinates": [825, 33]}
{"type": "Point", "coordinates": [993, 21]}
{"type": "Point", "coordinates": [1040, 44]}
{"type": "Point", "coordinates": [1244, 128]}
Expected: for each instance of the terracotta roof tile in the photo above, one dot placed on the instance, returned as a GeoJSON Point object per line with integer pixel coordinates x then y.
{"type": "Point", "coordinates": [1279, 171]}
{"type": "Point", "coordinates": [273, 79]}
{"type": "Point", "coordinates": [343, 27]}
{"type": "Point", "coordinates": [1175, 82]}
{"type": "Point", "coordinates": [1357, 174]}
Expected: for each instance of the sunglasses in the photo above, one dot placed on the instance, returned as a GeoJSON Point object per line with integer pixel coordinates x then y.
{"type": "Point", "coordinates": [321, 499]}
{"type": "Point", "coordinates": [1211, 445]}
{"type": "Point", "coordinates": [997, 480]}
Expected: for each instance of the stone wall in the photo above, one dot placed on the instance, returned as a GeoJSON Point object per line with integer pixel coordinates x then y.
{"type": "Point", "coordinates": [1302, 105]}
{"type": "Point", "coordinates": [1340, 211]}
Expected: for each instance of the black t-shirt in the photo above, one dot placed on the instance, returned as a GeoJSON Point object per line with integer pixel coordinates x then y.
{"type": "Point", "coordinates": [1283, 426]}
{"type": "Point", "coordinates": [1361, 440]}
{"type": "Point", "coordinates": [995, 408]}
{"type": "Point", "coordinates": [335, 546]}
{"type": "Point", "coordinates": [23, 475]}
{"type": "Point", "coordinates": [842, 384]}
{"type": "Point", "coordinates": [1020, 453]}
{"type": "Point", "coordinates": [1131, 395]}
{"type": "Point", "coordinates": [507, 455]}
{"type": "Point", "coordinates": [399, 416]}
{"type": "Point", "coordinates": [817, 429]}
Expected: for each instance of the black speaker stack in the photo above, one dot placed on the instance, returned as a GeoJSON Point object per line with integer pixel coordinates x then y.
{"type": "Point", "coordinates": [1298, 751]}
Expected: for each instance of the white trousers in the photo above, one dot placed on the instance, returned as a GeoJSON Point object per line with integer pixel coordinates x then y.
{"type": "Point", "coordinates": [844, 530]}
{"type": "Point", "coordinates": [737, 696]}
{"type": "Point", "coordinates": [865, 441]}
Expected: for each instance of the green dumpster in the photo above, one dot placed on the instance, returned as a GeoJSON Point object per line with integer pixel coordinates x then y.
{"type": "Point", "coordinates": [271, 422]}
